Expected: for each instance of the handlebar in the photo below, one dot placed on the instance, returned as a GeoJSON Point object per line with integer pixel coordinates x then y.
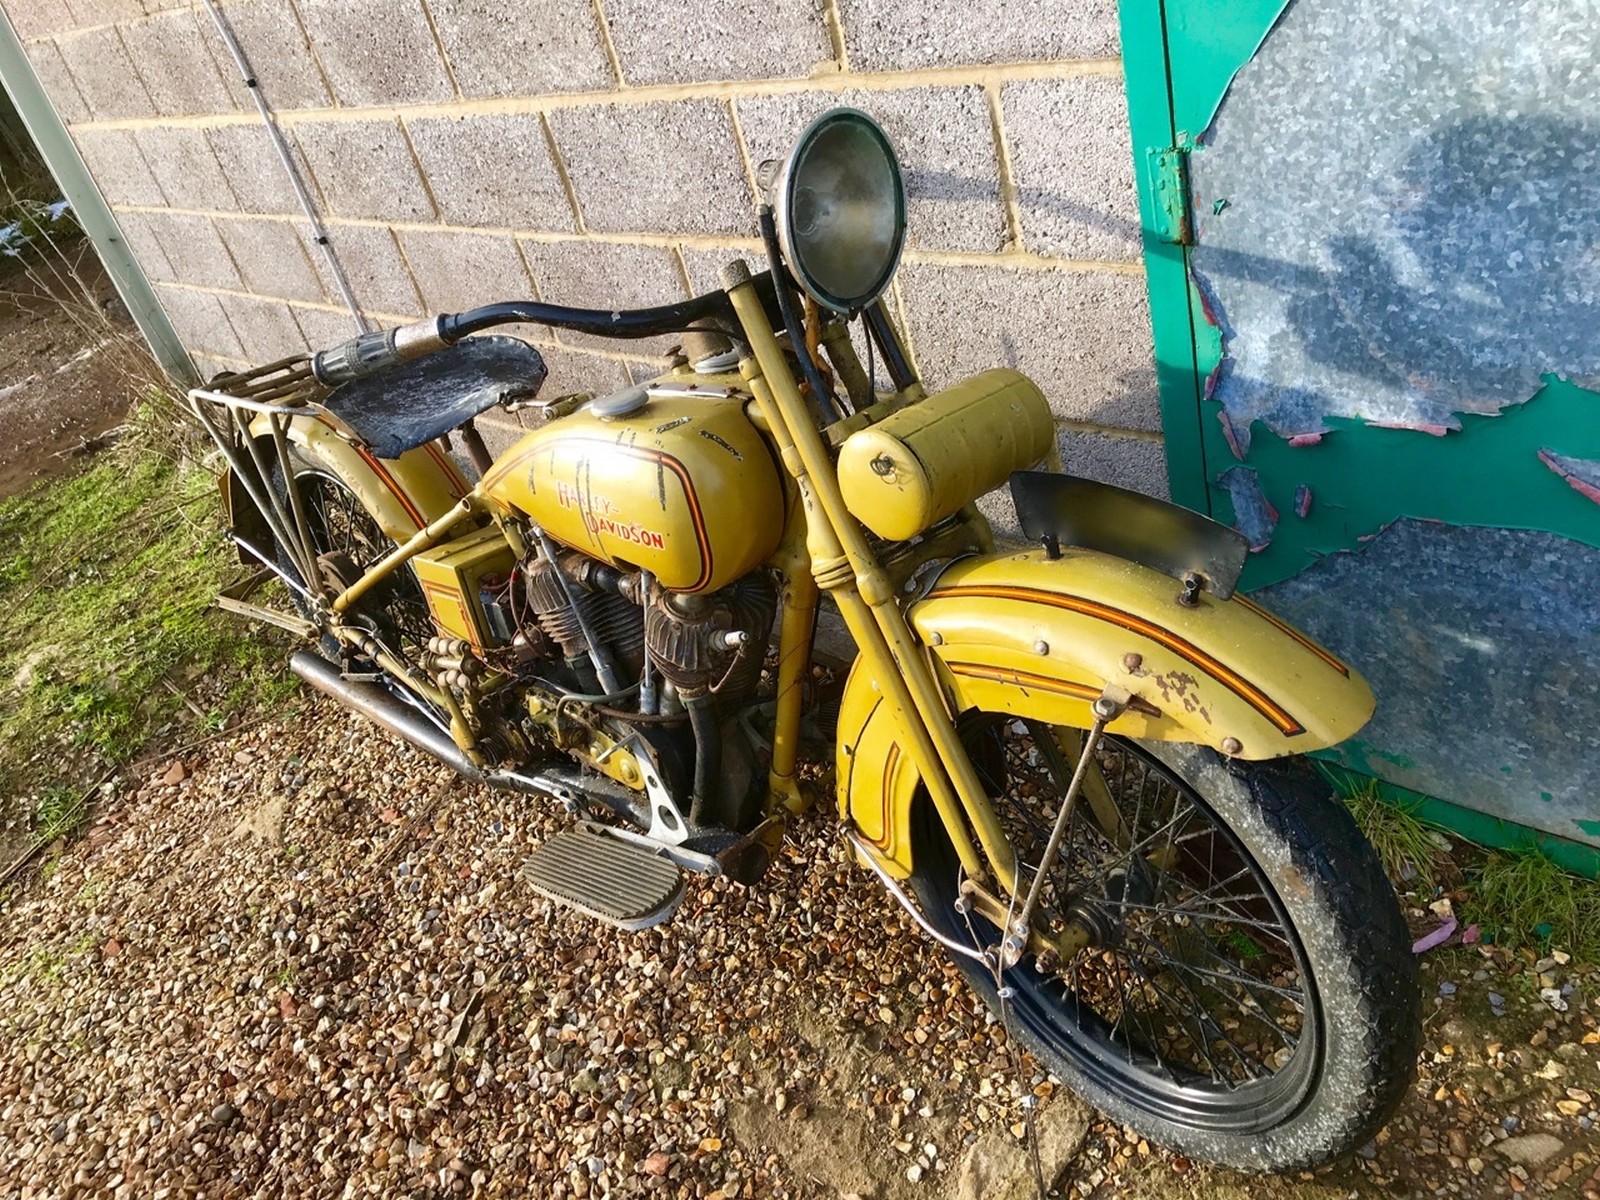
{"type": "Point", "coordinates": [372, 353]}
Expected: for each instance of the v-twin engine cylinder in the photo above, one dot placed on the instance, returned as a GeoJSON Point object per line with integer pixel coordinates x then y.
{"type": "Point", "coordinates": [616, 621]}
{"type": "Point", "coordinates": [701, 645]}
{"type": "Point", "coordinates": [714, 643]}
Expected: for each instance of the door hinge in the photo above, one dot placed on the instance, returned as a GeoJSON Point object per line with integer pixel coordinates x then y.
{"type": "Point", "coordinates": [1167, 171]}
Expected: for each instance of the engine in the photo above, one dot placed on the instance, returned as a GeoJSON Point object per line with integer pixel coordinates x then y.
{"type": "Point", "coordinates": [644, 598]}
{"type": "Point", "coordinates": [696, 646]}
{"type": "Point", "coordinates": [668, 668]}
{"type": "Point", "coordinates": [574, 599]}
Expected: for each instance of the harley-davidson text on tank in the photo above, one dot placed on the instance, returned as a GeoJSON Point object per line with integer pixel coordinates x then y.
{"type": "Point", "coordinates": [683, 488]}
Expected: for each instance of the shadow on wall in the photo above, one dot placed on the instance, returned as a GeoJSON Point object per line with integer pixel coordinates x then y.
{"type": "Point", "coordinates": [1124, 390]}
{"type": "Point", "coordinates": [946, 185]}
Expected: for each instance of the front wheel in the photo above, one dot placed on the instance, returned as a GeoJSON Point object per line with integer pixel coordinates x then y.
{"type": "Point", "coordinates": [1247, 994]}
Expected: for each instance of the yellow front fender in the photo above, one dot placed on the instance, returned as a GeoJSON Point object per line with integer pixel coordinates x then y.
{"type": "Point", "coordinates": [1041, 638]}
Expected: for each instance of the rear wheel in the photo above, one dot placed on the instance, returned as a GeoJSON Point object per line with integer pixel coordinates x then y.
{"type": "Point", "coordinates": [348, 541]}
{"type": "Point", "coordinates": [1248, 995]}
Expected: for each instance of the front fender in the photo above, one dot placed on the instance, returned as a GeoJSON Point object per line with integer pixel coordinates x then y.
{"type": "Point", "coordinates": [1041, 637]}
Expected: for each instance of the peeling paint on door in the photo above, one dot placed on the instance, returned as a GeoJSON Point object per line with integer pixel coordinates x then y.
{"type": "Point", "coordinates": [1582, 474]}
{"type": "Point", "coordinates": [1385, 332]}
{"type": "Point", "coordinates": [1409, 232]}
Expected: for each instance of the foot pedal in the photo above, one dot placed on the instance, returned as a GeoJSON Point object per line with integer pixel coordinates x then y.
{"type": "Point", "coordinates": [611, 880]}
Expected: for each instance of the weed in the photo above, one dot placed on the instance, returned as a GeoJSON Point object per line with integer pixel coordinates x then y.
{"type": "Point", "coordinates": [44, 964]}
{"type": "Point", "coordinates": [1408, 848]}
{"type": "Point", "coordinates": [59, 812]}
{"type": "Point", "coordinates": [42, 235]}
{"type": "Point", "coordinates": [1526, 900]}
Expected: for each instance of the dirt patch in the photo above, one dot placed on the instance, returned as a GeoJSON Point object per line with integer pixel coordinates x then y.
{"type": "Point", "coordinates": [63, 340]}
{"type": "Point", "coordinates": [369, 1000]}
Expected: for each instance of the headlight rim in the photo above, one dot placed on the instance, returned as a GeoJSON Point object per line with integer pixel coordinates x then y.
{"type": "Point", "coordinates": [783, 195]}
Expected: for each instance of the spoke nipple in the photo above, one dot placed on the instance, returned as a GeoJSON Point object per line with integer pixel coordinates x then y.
{"type": "Point", "coordinates": [1006, 993]}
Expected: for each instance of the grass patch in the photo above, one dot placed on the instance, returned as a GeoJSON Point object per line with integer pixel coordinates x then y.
{"type": "Point", "coordinates": [1410, 850]}
{"type": "Point", "coordinates": [106, 624]}
{"type": "Point", "coordinates": [59, 812]}
{"type": "Point", "coordinates": [1526, 900]}
{"type": "Point", "coordinates": [1517, 899]}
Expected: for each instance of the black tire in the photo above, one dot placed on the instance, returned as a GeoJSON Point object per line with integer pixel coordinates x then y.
{"type": "Point", "coordinates": [339, 524]}
{"type": "Point", "coordinates": [1338, 1072]}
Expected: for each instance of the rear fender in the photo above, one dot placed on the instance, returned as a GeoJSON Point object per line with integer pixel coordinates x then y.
{"type": "Point", "coordinates": [403, 494]}
{"type": "Point", "coordinates": [1042, 638]}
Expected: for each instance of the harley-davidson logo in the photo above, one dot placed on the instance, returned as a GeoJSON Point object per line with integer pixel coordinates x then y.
{"type": "Point", "coordinates": [594, 508]}
{"type": "Point", "coordinates": [569, 497]}
{"type": "Point", "coordinates": [629, 532]}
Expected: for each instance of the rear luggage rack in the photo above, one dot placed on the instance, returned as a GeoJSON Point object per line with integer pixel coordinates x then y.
{"type": "Point", "coordinates": [287, 381]}
{"type": "Point", "coordinates": [227, 407]}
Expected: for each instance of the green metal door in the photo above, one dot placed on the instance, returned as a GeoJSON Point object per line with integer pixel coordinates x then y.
{"type": "Point", "coordinates": [1373, 260]}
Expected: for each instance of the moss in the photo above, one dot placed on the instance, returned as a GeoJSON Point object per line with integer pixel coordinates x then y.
{"type": "Point", "coordinates": [106, 617]}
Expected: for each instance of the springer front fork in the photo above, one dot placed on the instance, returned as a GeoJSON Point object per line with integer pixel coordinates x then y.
{"type": "Point", "coordinates": [1013, 915]}
{"type": "Point", "coordinates": [842, 562]}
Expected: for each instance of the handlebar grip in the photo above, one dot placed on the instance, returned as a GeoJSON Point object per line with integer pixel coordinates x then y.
{"type": "Point", "coordinates": [370, 353]}
{"type": "Point", "coordinates": [356, 359]}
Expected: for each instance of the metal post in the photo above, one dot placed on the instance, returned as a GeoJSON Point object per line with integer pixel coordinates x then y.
{"type": "Point", "coordinates": [319, 233]}
{"type": "Point", "coordinates": [56, 147]}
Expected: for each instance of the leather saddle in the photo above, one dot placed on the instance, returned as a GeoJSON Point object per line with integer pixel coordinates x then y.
{"type": "Point", "coordinates": [416, 402]}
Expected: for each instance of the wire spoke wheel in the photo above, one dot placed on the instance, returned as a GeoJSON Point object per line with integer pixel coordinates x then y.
{"type": "Point", "coordinates": [1195, 981]}
{"type": "Point", "coordinates": [349, 541]}
{"type": "Point", "coordinates": [1188, 996]}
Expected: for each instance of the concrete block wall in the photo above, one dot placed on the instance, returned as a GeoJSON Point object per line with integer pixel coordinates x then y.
{"type": "Point", "coordinates": [604, 152]}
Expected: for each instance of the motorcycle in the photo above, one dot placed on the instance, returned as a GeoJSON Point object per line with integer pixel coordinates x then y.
{"type": "Point", "coordinates": [1077, 765]}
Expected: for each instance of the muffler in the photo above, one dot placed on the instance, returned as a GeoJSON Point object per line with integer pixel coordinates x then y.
{"type": "Point", "coordinates": [381, 706]}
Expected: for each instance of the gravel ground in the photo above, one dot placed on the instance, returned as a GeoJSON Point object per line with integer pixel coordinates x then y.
{"type": "Point", "coordinates": [299, 961]}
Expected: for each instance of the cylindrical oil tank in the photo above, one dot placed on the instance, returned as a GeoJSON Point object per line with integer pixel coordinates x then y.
{"type": "Point", "coordinates": [919, 465]}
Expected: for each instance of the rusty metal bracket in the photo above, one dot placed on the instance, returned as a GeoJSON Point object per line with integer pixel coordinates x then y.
{"type": "Point", "coordinates": [1167, 168]}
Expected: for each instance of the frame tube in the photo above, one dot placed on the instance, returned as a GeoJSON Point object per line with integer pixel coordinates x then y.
{"type": "Point", "coordinates": [843, 563]}
{"type": "Point", "coordinates": [424, 539]}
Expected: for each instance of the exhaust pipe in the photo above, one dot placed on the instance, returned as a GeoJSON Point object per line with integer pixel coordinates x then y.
{"type": "Point", "coordinates": [384, 708]}
{"type": "Point", "coordinates": [381, 706]}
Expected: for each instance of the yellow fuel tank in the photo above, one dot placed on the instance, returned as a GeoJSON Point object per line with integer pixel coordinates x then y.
{"type": "Point", "coordinates": [684, 488]}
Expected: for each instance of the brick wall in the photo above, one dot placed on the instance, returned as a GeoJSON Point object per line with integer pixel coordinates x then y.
{"type": "Point", "coordinates": [603, 153]}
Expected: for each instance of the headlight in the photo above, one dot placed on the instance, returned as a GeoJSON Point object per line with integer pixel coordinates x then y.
{"type": "Point", "coordinates": [841, 210]}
